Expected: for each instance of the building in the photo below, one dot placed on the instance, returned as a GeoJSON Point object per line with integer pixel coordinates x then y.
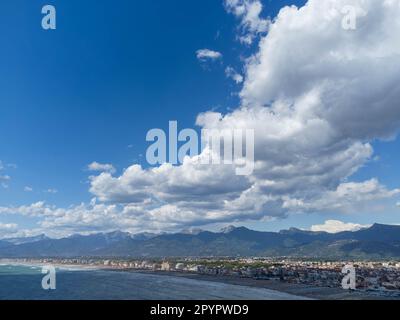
{"type": "Point", "coordinates": [166, 266]}
{"type": "Point", "coordinates": [180, 266]}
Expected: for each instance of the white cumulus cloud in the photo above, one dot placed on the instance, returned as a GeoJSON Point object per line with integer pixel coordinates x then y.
{"type": "Point", "coordinates": [207, 54]}
{"type": "Point", "coordinates": [248, 11]}
{"type": "Point", "coordinates": [317, 97]}
{"type": "Point", "coordinates": [102, 167]}
{"type": "Point", "coordinates": [234, 75]}
{"type": "Point", "coordinates": [7, 229]}
{"type": "Point", "coordinates": [335, 226]}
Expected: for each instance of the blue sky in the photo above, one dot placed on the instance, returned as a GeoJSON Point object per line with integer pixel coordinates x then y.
{"type": "Point", "coordinates": [112, 70]}
{"type": "Point", "coordinates": [98, 83]}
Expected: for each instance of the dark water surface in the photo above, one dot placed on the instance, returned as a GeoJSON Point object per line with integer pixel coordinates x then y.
{"type": "Point", "coordinates": [24, 282]}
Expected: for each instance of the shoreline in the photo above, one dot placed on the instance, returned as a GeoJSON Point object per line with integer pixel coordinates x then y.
{"type": "Point", "coordinates": [305, 291]}
{"type": "Point", "coordinates": [300, 290]}
{"type": "Point", "coordinates": [60, 266]}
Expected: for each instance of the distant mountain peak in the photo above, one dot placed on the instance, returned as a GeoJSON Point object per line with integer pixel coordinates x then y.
{"type": "Point", "coordinates": [297, 231]}
{"type": "Point", "coordinates": [227, 229]}
{"type": "Point", "coordinates": [118, 232]}
{"type": "Point", "coordinates": [379, 225]}
{"type": "Point", "coordinates": [22, 240]}
{"type": "Point", "coordinates": [144, 235]}
{"type": "Point", "coordinates": [379, 241]}
{"type": "Point", "coordinates": [193, 231]}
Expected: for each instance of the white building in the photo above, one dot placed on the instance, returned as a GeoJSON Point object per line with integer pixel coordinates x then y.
{"type": "Point", "coordinates": [166, 266]}
{"type": "Point", "coordinates": [180, 266]}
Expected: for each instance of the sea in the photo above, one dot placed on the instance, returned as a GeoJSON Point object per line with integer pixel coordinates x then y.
{"type": "Point", "coordinates": [24, 282]}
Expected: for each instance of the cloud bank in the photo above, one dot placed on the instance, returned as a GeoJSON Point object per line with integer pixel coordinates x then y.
{"type": "Point", "coordinates": [316, 95]}
{"type": "Point", "coordinates": [335, 226]}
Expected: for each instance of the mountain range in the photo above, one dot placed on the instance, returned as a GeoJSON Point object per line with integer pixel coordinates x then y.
{"type": "Point", "coordinates": [377, 242]}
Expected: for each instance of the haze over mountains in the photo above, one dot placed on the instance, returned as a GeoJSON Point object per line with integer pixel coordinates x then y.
{"type": "Point", "coordinates": [377, 242]}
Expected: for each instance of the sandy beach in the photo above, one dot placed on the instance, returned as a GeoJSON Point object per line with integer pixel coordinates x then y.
{"type": "Point", "coordinates": [300, 290]}
{"type": "Point", "coordinates": [311, 292]}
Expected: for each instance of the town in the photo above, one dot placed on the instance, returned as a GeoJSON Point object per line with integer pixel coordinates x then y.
{"type": "Point", "coordinates": [375, 278]}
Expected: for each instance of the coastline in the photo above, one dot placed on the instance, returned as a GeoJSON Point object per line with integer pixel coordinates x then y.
{"type": "Point", "coordinates": [298, 290]}
{"type": "Point", "coordinates": [305, 291]}
{"type": "Point", "coordinates": [60, 266]}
